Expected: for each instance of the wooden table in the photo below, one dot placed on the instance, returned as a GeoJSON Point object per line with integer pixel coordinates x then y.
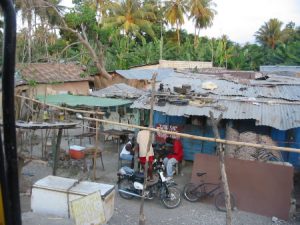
{"type": "Point", "coordinates": [46, 125]}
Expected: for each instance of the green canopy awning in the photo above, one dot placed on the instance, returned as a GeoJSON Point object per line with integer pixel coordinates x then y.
{"type": "Point", "coordinates": [78, 100]}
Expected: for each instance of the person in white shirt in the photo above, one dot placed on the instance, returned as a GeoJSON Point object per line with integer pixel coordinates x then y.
{"type": "Point", "coordinates": [144, 156]}
{"type": "Point", "coordinates": [127, 153]}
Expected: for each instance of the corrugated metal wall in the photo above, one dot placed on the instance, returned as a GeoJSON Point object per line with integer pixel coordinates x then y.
{"type": "Point", "coordinates": [280, 137]}
{"type": "Point", "coordinates": [290, 138]}
{"type": "Point", "coordinates": [191, 147]}
{"type": "Point", "coordinates": [294, 158]}
{"type": "Point", "coordinates": [160, 118]}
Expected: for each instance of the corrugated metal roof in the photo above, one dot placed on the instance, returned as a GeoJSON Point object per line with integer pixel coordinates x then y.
{"type": "Point", "coordinates": [75, 100]}
{"type": "Point", "coordinates": [146, 74]}
{"type": "Point", "coordinates": [119, 90]}
{"type": "Point", "coordinates": [289, 91]}
{"type": "Point", "coordinates": [280, 116]}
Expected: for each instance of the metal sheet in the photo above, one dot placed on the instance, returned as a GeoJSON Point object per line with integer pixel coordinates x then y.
{"type": "Point", "coordinates": [270, 102]}
{"type": "Point", "coordinates": [279, 116]}
{"type": "Point", "coordinates": [119, 90]}
{"type": "Point", "coordinates": [258, 187]}
{"type": "Point", "coordinates": [289, 91]}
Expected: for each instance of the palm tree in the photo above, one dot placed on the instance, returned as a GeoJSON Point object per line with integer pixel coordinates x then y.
{"type": "Point", "coordinates": [30, 9]}
{"type": "Point", "coordinates": [26, 8]}
{"type": "Point", "coordinates": [270, 33]}
{"type": "Point", "coordinates": [130, 17]}
{"type": "Point", "coordinates": [202, 13]}
{"type": "Point", "coordinates": [49, 19]}
{"type": "Point", "coordinates": [174, 14]}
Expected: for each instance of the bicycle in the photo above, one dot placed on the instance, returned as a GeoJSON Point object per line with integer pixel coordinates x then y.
{"type": "Point", "coordinates": [193, 193]}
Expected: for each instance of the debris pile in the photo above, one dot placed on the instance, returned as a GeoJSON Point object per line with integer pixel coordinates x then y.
{"type": "Point", "coordinates": [251, 153]}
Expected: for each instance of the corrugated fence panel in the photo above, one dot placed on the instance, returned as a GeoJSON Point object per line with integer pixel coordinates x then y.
{"type": "Point", "coordinates": [210, 147]}
{"type": "Point", "coordinates": [160, 118]}
{"type": "Point", "coordinates": [280, 137]}
{"type": "Point", "coordinates": [191, 146]}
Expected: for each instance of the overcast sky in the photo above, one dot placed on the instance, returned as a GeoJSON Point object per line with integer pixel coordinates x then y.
{"type": "Point", "coordinates": [240, 19]}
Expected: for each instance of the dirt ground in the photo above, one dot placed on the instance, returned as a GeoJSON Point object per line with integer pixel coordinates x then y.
{"type": "Point", "coordinates": [126, 211]}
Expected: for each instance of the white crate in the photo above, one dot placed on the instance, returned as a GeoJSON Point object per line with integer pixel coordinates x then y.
{"type": "Point", "coordinates": [51, 194]}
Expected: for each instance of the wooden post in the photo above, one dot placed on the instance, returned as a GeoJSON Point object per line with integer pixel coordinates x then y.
{"type": "Point", "coordinates": [142, 219]}
{"type": "Point", "coordinates": [214, 123]}
{"type": "Point", "coordinates": [96, 148]}
{"type": "Point", "coordinates": [57, 151]}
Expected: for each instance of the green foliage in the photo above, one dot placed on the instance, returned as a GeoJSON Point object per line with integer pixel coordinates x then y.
{"type": "Point", "coordinates": [270, 34]}
{"type": "Point", "coordinates": [128, 31]}
{"type": "Point", "coordinates": [32, 83]}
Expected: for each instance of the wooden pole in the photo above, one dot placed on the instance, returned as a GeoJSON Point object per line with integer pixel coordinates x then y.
{"type": "Point", "coordinates": [142, 219]}
{"type": "Point", "coordinates": [215, 123]}
{"type": "Point", "coordinates": [57, 151]}
{"type": "Point", "coordinates": [182, 135]}
{"type": "Point", "coordinates": [96, 148]}
{"type": "Point", "coordinates": [201, 138]}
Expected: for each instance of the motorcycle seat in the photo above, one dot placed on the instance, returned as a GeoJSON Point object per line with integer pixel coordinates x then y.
{"type": "Point", "coordinates": [139, 175]}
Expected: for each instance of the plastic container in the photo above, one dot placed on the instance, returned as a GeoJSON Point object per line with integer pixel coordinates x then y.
{"type": "Point", "coordinates": [76, 152]}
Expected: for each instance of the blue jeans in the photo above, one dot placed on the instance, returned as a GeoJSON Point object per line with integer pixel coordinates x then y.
{"type": "Point", "coordinates": [169, 163]}
{"type": "Point", "coordinates": [126, 157]}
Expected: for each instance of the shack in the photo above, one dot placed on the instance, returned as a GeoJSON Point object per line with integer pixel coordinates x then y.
{"type": "Point", "coordinates": [51, 78]}
{"type": "Point", "coordinates": [255, 108]}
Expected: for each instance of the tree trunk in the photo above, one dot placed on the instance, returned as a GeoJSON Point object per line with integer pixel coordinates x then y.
{"type": "Point", "coordinates": [82, 37]}
{"type": "Point", "coordinates": [198, 38]}
{"type": "Point", "coordinates": [221, 152]}
{"type": "Point", "coordinates": [226, 59]}
{"type": "Point", "coordinates": [45, 39]}
{"type": "Point", "coordinates": [29, 20]}
{"type": "Point", "coordinates": [195, 37]}
{"type": "Point", "coordinates": [212, 52]}
{"type": "Point", "coordinates": [161, 44]}
{"type": "Point", "coordinates": [142, 219]}
{"type": "Point", "coordinates": [178, 34]}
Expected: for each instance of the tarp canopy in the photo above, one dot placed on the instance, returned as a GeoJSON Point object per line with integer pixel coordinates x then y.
{"type": "Point", "coordinates": [78, 100]}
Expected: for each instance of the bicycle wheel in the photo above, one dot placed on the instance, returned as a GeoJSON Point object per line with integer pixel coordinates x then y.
{"type": "Point", "coordinates": [125, 185]}
{"type": "Point", "coordinates": [220, 201]}
{"type": "Point", "coordinates": [170, 197]}
{"type": "Point", "coordinates": [190, 192]}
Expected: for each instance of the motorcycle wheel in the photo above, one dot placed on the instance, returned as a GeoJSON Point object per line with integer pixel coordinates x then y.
{"type": "Point", "coordinates": [126, 185]}
{"type": "Point", "coordinates": [170, 197]}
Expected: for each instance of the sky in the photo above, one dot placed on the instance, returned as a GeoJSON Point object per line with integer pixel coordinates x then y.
{"type": "Point", "coordinates": [240, 19]}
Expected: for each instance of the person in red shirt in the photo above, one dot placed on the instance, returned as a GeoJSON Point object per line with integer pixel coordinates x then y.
{"type": "Point", "coordinates": [174, 157]}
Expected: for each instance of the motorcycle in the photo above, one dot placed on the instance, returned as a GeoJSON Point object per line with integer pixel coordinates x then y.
{"type": "Point", "coordinates": [130, 185]}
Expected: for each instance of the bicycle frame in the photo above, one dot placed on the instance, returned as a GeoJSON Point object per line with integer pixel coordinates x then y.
{"type": "Point", "coordinates": [218, 186]}
{"type": "Point", "coordinates": [203, 185]}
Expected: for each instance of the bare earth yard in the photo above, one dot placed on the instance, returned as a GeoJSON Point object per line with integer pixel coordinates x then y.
{"type": "Point", "coordinates": [127, 211]}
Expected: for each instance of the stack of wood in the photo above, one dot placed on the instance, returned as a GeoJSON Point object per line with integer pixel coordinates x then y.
{"type": "Point", "coordinates": [250, 153]}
